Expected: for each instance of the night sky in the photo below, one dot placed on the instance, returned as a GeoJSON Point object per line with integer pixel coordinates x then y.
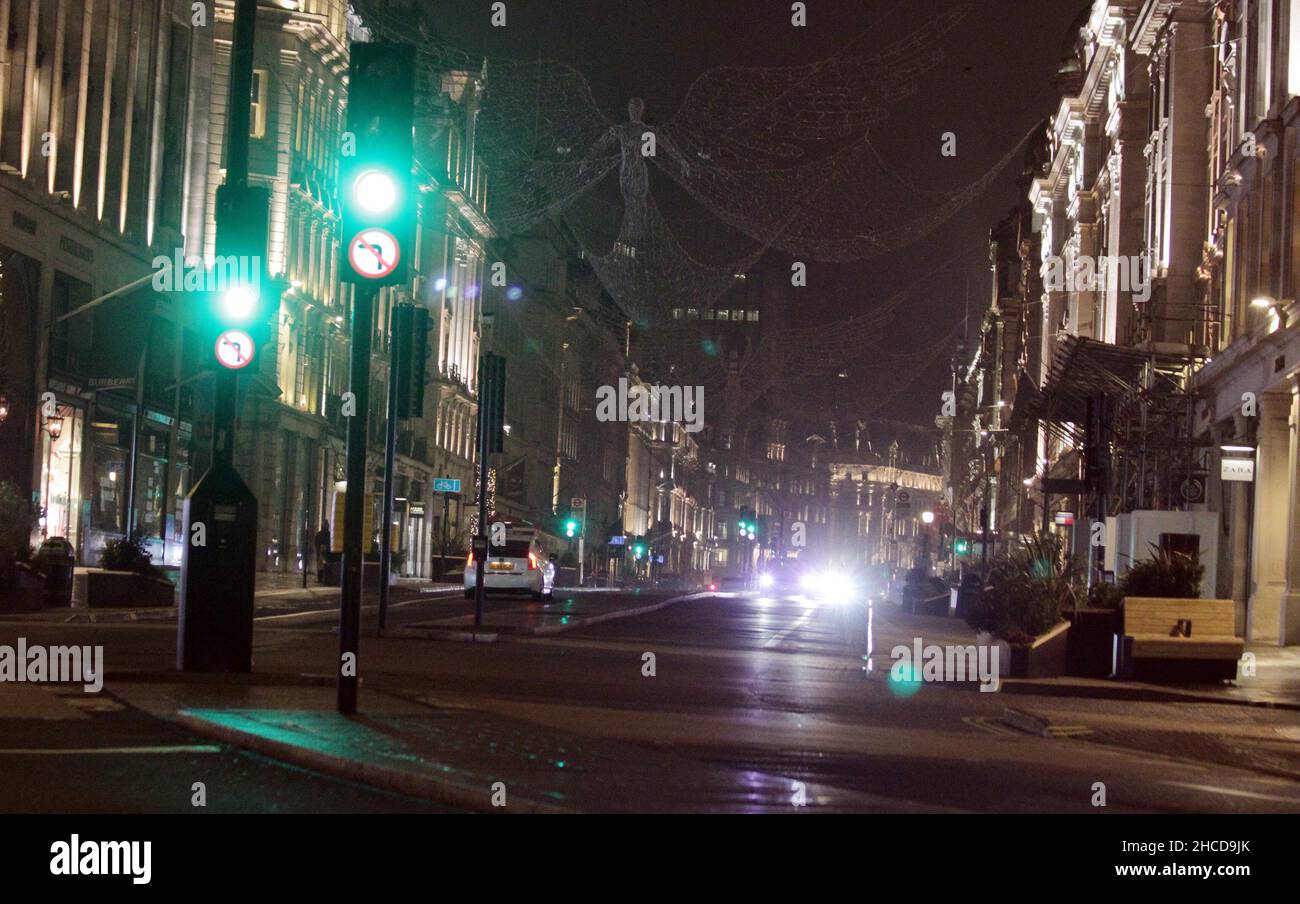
{"type": "Point", "coordinates": [994, 85]}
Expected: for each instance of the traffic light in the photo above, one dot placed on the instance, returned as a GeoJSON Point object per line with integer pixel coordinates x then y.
{"type": "Point", "coordinates": [378, 197]}
{"type": "Point", "coordinates": [242, 299]}
{"type": "Point", "coordinates": [412, 327]}
{"type": "Point", "coordinates": [571, 528]}
{"type": "Point", "coordinates": [492, 399]}
{"type": "Point", "coordinates": [638, 550]}
{"type": "Point", "coordinates": [961, 546]}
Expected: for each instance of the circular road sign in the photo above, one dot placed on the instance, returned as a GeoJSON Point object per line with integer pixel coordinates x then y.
{"type": "Point", "coordinates": [374, 253]}
{"type": "Point", "coordinates": [235, 349]}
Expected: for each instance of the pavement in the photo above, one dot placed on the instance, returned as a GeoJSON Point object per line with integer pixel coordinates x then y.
{"type": "Point", "coordinates": [629, 701]}
{"type": "Point", "coordinates": [273, 594]}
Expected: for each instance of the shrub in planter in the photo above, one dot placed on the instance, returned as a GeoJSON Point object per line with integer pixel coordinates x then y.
{"type": "Point", "coordinates": [129, 554]}
{"type": "Point", "coordinates": [1027, 590]}
{"type": "Point", "coordinates": [17, 515]}
{"type": "Point", "coordinates": [1105, 596]}
{"type": "Point", "coordinates": [128, 578]}
{"type": "Point", "coordinates": [1166, 574]}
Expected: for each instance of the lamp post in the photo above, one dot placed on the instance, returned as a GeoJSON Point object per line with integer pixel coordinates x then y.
{"type": "Point", "coordinates": [927, 518]}
{"type": "Point", "coordinates": [54, 427]}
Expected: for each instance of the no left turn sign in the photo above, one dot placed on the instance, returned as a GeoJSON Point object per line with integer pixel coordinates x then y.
{"type": "Point", "coordinates": [374, 253]}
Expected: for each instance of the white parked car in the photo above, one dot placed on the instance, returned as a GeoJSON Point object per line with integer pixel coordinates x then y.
{"type": "Point", "coordinates": [520, 566]}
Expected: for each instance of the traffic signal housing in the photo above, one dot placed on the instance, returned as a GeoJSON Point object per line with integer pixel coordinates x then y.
{"type": "Point", "coordinates": [411, 348]}
{"type": "Point", "coordinates": [378, 196]}
{"type": "Point", "coordinates": [242, 300]}
{"type": "Point", "coordinates": [571, 527]}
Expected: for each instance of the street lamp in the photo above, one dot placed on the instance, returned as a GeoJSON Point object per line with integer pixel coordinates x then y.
{"type": "Point", "coordinates": [1273, 305]}
{"type": "Point", "coordinates": [927, 517]}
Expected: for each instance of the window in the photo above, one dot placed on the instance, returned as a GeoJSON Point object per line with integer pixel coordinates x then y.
{"type": "Point", "coordinates": [737, 316]}
{"type": "Point", "coordinates": [724, 315]}
{"type": "Point", "coordinates": [1293, 50]}
{"type": "Point", "coordinates": [753, 316]}
{"type": "Point", "coordinates": [257, 115]}
{"type": "Point", "coordinates": [298, 110]}
{"type": "Point", "coordinates": [677, 313]}
{"type": "Point", "coordinates": [692, 313]}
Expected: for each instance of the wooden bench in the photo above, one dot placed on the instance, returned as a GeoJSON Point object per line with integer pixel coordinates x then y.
{"type": "Point", "coordinates": [1188, 639]}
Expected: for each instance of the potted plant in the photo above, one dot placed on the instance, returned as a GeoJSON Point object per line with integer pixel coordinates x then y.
{"type": "Point", "coordinates": [1027, 591]}
{"type": "Point", "coordinates": [1093, 626]}
{"type": "Point", "coordinates": [1167, 574]}
{"type": "Point", "coordinates": [126, 577]}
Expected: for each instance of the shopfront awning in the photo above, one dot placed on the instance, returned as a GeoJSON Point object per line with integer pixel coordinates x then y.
{"type": "Point", "coordinates": [1082, 369]}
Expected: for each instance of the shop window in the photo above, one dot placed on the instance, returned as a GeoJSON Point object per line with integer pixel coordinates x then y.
{"type": "Point", "coordinates": [257, 114]}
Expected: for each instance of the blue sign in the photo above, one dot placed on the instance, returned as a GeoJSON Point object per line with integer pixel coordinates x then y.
{"type": "Point", "coordinates": [617, 541]}
{"type": "Point", "coordinates": [446, 485]}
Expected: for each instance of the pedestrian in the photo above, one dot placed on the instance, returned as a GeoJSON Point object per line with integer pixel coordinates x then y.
{"type": "Point", "coordinates": [322, 550]}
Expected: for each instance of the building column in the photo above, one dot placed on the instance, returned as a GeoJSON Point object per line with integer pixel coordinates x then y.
{"type": "Point", "coordinates": [1290, 615]}
{"type": "Point", "coordinates": [1238, 555]}
{"type": "Point", "coordinates": [1273, 503]}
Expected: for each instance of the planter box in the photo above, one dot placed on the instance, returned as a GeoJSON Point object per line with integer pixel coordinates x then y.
{"type": "Point", "coordinates": [99, 588]}
{"type": "Point", "coordinates": [1090, 650]}
{"type": "Point", "coordinates": [1044, 658]}
{"type": "Point", "coordinates": [27, 593]}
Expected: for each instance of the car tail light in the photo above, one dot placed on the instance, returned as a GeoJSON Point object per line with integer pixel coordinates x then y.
{"type": "Point", "coordinates": [532, 562]}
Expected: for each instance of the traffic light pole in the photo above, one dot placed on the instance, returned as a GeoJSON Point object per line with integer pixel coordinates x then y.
{"type": "Point", "coordinates": [390, 453]}
{"type": "Point", "coordinates": [239, 117]}
{"type": "Point", "coordinates": [480, 561]}
{"type": "Point", "coordinates": [214, 630]}
{"type": "Point", "coordinates": [354, 502]}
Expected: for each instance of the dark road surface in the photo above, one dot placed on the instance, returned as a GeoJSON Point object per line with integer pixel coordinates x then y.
{"type": "Point", "coordinates": [748, 682]}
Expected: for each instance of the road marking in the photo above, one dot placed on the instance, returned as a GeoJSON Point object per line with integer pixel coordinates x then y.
{"type": "Point", "coordinates": [991, 726]}
{"type": "Point", "coordinates": [795, 626]}
{"type": "Point", "coordinates": [334, 609]}
{"type": "Point", "coordinates": [84, 751]}
{"type": "Point", "coordinates": [1232, 791]}
{"type": "Point", "coordinates": [1068, 731]}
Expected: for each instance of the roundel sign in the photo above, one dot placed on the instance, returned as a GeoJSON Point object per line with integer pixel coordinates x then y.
{"type": "Point", "coordinates": [235, 349]}
{"type": "Point", "coordinates": [374, 253]}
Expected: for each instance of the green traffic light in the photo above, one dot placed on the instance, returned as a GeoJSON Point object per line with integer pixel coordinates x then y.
{"type": "Point", "coordinates": [238, 303]}
{"type": "Point", "coordinates": [962, 546]}
{"type": "Point", "coordinates": [570, 527]}
{"type": "Point", "coordinates": [375, 191]}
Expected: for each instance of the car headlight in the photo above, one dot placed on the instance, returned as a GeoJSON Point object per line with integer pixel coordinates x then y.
{"type": "Point", "coordinates": [766, 581]}
{"type": "Point", "coordinates": [839, 586]}
{"type": "Point", "coordinates": [809, 583]}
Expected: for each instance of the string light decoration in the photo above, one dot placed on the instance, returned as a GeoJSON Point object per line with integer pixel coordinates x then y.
{"type": "Point", "coordinates": [783, 155]}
